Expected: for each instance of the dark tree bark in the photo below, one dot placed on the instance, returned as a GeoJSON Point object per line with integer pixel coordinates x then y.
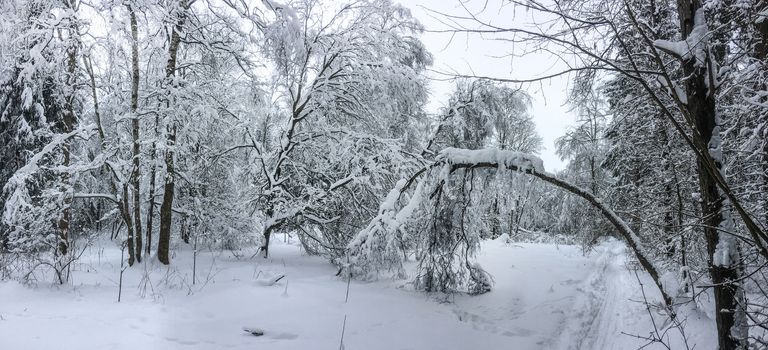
{"type": "Point", "coordinates": [668, 227]}
{"type": "Point", "coordinates": [135, 174]}
{"type": "Point", "coordinates": [702, 107]}
{"type": "Point", "coordinates": [166, 212]}
{"type": "Point", "coordinates": [265, 244]}
{"type": "Point", "coordinates": [125, 212]}
{"type": "Point", "coordinates": [152, 183]}
{"type": "Point", "coordinates": [69, 119]}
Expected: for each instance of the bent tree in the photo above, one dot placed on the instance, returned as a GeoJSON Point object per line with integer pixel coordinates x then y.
{"type": "Point", "coordinates": [396, 230]}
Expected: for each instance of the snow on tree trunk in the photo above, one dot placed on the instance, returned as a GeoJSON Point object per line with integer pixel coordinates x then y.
{"type": "Point", "coordinates": [725, 270]}
{"type": "Point", "coordinates": [135, 129]}
{"type": "Point", "coordinates": [166, 207]}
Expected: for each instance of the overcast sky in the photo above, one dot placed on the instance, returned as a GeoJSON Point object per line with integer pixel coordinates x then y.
{"type": "Point", "coordinates": [473, 54]}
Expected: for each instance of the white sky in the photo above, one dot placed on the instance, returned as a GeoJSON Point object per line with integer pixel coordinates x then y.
{"type": "Point", "coordinates": [472, 54]}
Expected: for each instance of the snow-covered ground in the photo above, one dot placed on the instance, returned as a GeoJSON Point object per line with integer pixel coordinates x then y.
{"type": "Point", "coordinates": [545, 297]}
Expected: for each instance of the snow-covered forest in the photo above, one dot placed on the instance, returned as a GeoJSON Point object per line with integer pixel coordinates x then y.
{"type": "Point", "coordinates": [248, 174]}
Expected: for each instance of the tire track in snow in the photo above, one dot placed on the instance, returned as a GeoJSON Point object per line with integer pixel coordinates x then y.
{"type": "Point", "coordinates": [594, 320]}
{"type": "Point", "coordinates": [604, 329]}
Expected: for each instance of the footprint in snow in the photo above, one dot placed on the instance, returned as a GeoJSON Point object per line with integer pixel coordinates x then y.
{"type": "Point", "coordinates": [182, 342]}
{"type": "Point", "coordinates": [481, 323]}
{"type": "Point", "coordinates": [283, 336]}
{"type": "Point", "coordinates": [518, 332]}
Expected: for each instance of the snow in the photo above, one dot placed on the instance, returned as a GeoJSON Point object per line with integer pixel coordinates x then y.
{"type": "Point", "coordinates": [545, 297]}
{"type": "Point", "coordinates": [15, 189]}
{"type": "Point", "coordinates": [523, 161]}
{"type": "Point", "coordinates": [694, 46]}
{"type": "Point", "coordinates": [27, 98]}
{"type": "Point", "coordinates": [675, 90]}
{"type": "Point", "coordinates": [727, 249]}
{"type": "Point", "coordinates": [376, 247]}
{"type": "Point", "coordinates": [413, 203]}
{"type": "Point", "coordinates": [377, 236]}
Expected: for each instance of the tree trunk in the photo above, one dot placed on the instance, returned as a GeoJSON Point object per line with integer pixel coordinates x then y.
{"type": "Point", "coordinates": [166, 212]}
{"type": "Point", "coordinates": [166, 207]}
{"type": "Point", "coordinates": [724, 272]}
{"type": "Point", "coordinates": [152, 185]}
{"type": "Point", "coordinates": [668, 227]}
{"type": "Point", "coordinates": [680, 209]}
{"type": "Point", "coordinates": [135, 174]}
{"type": "Point", "coordinates": [265, 243]}
{"type": "Point", "coordinates": [125, 212]}
{"type": "Point", "coordinates": [185, 229]}
{"type": "Point", "coordinates": [593, 175]}
{"type": "Point", "coordinates": [496, 219]}
{"type": "Point", "coordinates": [69, 118]}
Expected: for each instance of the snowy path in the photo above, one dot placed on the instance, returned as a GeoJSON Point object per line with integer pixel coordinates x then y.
{"type": "Point", "coordinates": [545, 297]}
{"type": "Point", "coordinates": [609, 283]}
{"type": "Point", "coordinates": [560, 299]}
{"type": "Point", "coordinates": [600, 303]}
